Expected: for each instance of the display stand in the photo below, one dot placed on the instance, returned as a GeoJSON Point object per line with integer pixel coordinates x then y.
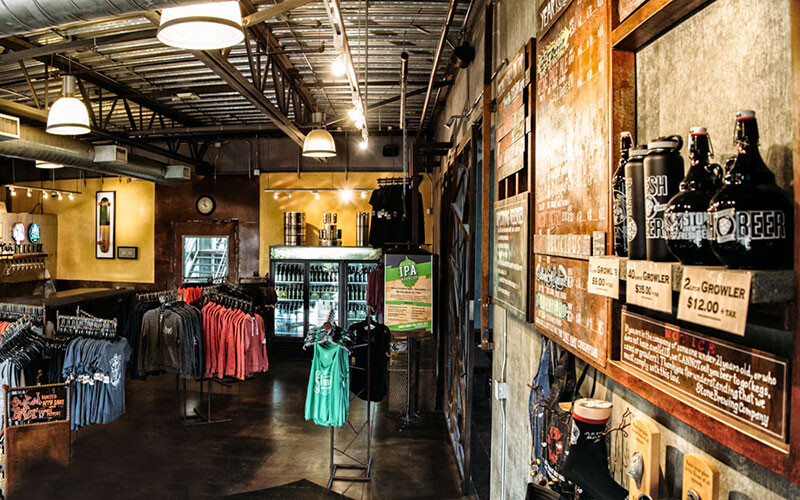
{"type": "Point", "coordinates": [200, 418]}
{"type": "Point", "coordinates": [364, 466]}
{"type": "Point", "coordinates": [411, 416]}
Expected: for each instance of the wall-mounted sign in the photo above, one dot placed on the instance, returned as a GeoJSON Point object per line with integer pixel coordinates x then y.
{"type": "Point", "coordinates": [603, 276]}
{"type": "Point", "coordinates": [37, 404]}
{"type": "Point", "coordinates": [564, 309]}
{"type": "Point", "coordinates": [408, 292]}
{"type": "Point", "coordinates": [34, 232]}
{"type": "Point", "coordinates": [18, 233]}
{"type": "Point", "coordinates": [105, 217]}
{"type": "Point", "coordinates": [130, 253]}
{"type": "Point", "coordinates": [715, 298]}
{"type": "Point", "coordinates": [511, 254]}
{"type": "Point", "coordinates": [744, 387]}
{"type": "Point", "coordinates": [649, 284]}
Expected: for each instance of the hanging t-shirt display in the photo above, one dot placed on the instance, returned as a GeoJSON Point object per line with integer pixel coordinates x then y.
{"type": "Point", "coordinates": [328, 397]}
{"type": "Point", "coordinates": [377, 357]}
{"type": "Point", "coordinates": [388, 223]}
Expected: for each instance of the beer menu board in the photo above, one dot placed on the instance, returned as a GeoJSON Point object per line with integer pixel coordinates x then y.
{"type": "Point", "coordinates": [511, 254]}
{"type": "Point", "coordinates": [511, 116]}
{"type": "Point", "coordinates": [572, 124]}
{"type": "Point", "coordinates": [566, 311]}
{"type": "Point", "coordinates": [742, 386]}
{"type": "Point", "coordinates": [408, 292]}
{"type": "Point", "coordinates": [37, 405]}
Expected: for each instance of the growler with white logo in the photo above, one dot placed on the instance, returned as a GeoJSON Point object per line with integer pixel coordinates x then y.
{"type": "Point", "coordinates": [750, 219]}
{"type": "Point", "coordinates": [686, 217]}
{"type": "Point", "coordinates": [618, 198]}
{"type": "Point", "coordinates": [663, 171]}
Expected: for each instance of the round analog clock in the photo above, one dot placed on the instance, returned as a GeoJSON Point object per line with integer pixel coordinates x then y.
{"type": "Point", "coordinates": [205, 205]}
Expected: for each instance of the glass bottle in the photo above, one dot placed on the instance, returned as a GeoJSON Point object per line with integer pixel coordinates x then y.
{"type": "Point", "coordinates": [686, 217]}
{"type": "Point", "coordinates": [751, 219]}
{"type": "Point", "coordinates": [620, 233]}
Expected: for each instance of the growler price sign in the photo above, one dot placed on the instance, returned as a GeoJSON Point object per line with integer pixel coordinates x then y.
{"type": "Point", "coordinates": [37, 405]}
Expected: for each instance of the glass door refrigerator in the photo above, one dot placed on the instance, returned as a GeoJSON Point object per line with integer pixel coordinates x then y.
{"type": "Point", "coordinates": [312, 282]}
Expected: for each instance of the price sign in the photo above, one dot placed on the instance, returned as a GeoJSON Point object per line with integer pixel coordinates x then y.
{"type": "Point", "coordinates": [715, 298]}
{"type": "Point", "coordinates": [604, 276]}
{"type": "Point", "coordinates": [649, 284]}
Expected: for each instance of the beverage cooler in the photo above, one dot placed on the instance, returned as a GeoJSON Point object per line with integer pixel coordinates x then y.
{"type": "Point", "coordinates": [312, 282]}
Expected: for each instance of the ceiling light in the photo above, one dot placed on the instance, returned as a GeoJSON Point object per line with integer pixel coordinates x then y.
{"type": "Point", "coordinates": [319, 144]}
{"type": "Point", "coordinates": [355, 114]}
{"type": "Point", "coordinates": [275, 195]}
{"type": "Point", "coordinates": [205, 26]}
{"type": "Point", "coordinates": [60, 197]}
{"type": "Point", "coordinates": [30, 193]}
{"type": "Point", "coordinates": [71, 196]}
{"type": "Point", "coordinates": [48, 165]}
{"type": "Point", "coordinates": [360, 123]}
{"type": "Point", "coordinates": [45, 195]}
{"type": "Point", "coordinates": [289, 194]}
{"type": "Point", "coordinates": [363, 144]}
{"type": "Point", "coordinates": [363, 195]}
{"type": "Point", "coordinates": [68, 115]}
{"type": "Point", "coordinates": [13, 191]}
{"type": "Point", "coordinates": [346, 194]}
{"type": "Point", "coordinates": [338, 66]}
{"type": "Point", "coordinates": [316, 194]}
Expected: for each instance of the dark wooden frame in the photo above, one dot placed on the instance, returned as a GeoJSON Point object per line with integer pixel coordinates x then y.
{"type": "Point", "coordinates": [135, 253]}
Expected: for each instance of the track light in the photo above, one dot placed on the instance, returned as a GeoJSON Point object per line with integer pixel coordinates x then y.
{"type": "Point", "coordinates": [338, 66]}
{"type": "Point", "coordinates": [354, 114]}
{"type": "Point", "coordinates": [60, 197]}
{"type": "Point", "coordinates": [275, 195]}
{"type": "Point", "coordinates": [289, 194]}
{"type": "Point", "coordinates": [363, 144]}
{"type": "Point", "coordinates": [316, 194]}
{"type": "Point", "coordinates": [13, 191]}
{"type": "Point", "coordinates": [346, 194]}
{"type": "Point", "coordinates": [30, 193]}
{"type": "Point", "coordinates": [71, 196]}
{"type": "Point", "coordinates": [363, 195]}
{"type": "Point", "coordinates": [45, 195]}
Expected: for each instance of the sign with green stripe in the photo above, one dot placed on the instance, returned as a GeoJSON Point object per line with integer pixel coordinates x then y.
{"type": "Point", "coordinates": [408, 292]}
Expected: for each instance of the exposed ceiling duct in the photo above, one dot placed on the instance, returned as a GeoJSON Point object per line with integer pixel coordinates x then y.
{"type": "Point", "coordinates": [22, 16]}
{"type": "Point", "coordinates": [35, 144]}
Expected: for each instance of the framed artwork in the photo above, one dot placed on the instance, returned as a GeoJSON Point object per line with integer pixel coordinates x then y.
{"type": "Point", "coordinates": [130, 253]}
{"type": "Point", "coordinates": [105, 222]}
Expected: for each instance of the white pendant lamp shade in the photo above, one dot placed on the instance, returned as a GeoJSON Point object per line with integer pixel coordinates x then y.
{"type": "Point", "coordinates": [319, 144]}
{"type": "Point", "coordinates": [204, 26]}
{"type": "Point", "coordinates": [68, 115]}
{"type": "Point", "coordinates": [47, 165]}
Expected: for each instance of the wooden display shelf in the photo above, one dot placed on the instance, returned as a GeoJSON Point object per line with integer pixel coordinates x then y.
{"type": "Point", "coordinates": [651, 20]}
{"type": "Point", "coordinates": [767, 286]}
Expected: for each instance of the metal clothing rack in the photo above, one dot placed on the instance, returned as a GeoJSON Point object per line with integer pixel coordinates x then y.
{"type": "Point", "coordinates": [163, 296]}
{"type": "Point", "coordinates": [13, 312]}
{"type": "Point", "coordinates": [365, 466]}
{"type": "Point", "coordinates": [200, 418]}
{"type": "Point", "coordinates": [106, 328]}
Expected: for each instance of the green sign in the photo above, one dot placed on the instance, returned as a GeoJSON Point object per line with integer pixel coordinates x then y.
{"type": "Point", "coordinates": [408, 293]}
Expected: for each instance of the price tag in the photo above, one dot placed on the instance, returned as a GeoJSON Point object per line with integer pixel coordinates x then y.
{"type": "Point", "coordinates": [604, 276]}
{"type": "Point", "coordinates": [715, 298]}
{"type": "Point", "coordinates": [649, 284]}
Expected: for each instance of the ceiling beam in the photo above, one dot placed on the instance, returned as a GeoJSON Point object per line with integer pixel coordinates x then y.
{"type": "Point", "coordinates": [57, 48]}
{"type": "Point", "coordinates": [273, 11]}
{"type": "Point", "coordinates": [69, 65]}
{"type": "Point", "coordinates": [451, 12]}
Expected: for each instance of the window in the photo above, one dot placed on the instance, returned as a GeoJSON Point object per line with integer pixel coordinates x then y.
{"type": "Point", "coordinates": [205, 257]}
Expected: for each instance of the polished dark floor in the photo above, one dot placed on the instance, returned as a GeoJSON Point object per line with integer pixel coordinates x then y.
{"type": "Point", "coordinates": [149, 453]}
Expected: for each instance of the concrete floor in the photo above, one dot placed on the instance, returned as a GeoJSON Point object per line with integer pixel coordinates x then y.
{"type": "Point", "coordinates": [148, 453]}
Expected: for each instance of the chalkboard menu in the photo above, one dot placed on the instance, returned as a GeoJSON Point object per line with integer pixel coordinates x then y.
{"type": "Point", "coordinates": [511, 115]}
{"type": "Point", "coordinates": [743, 387]}
{"type": "Point", "coordinates": [572, 123]}
{"type": "Point", "coordinates": [511, 254]}
{"type": "Point", "coordinates": [37, 405]}
{"type": "Point", "coordinates": [566, 311]}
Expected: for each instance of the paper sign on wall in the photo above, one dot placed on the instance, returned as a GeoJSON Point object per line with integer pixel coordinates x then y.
{"type": "Point", "coordinates": [649, 284]}
{"type": "Point", "coordinates": [604, 276]}
{"type": "Point", "coordinates": [715, 298]}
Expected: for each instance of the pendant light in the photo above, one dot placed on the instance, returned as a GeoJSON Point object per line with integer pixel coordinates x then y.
{"type": "Point", "coordinates": [204, 26]}
{"type": "Point", "coordinates": [319, 142]}
{"type": "Point", "coordinates": [68, 115]}
{"type": "Point", "coordinates": [47, 165]}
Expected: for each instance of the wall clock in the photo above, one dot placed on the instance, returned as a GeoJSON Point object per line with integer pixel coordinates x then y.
{"type": "Point", "coordinates": [205, 205]}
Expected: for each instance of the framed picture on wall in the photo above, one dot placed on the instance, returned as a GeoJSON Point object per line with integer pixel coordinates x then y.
{"type": "Point", "coordinates": [130, 253]}
{"type": "Point", "coordinates": [105, 221]}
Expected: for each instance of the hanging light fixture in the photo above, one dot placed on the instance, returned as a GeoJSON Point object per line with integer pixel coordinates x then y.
{"type": "Point", "coordinates": [319, 142]}
{"type": "Point", "coordinates": [47, 165]}
{"type": "Point", "coordinates": [338, 66]}
{"type": "Point", "coordinates": [68, 115]}
{"type": "Point", "coordinates": [205, 26]}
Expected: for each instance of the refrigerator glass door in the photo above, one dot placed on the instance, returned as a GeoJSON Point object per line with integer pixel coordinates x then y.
{"type": "Point", "coordinates": [355, 291]}
{"type": "Point", "coordinates": [290, 313]}
{"type": "Point", "coordinates": [323, 293]}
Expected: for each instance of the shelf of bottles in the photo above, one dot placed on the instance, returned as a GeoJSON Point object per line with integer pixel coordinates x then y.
{"type": "Point", "coordinates": [356, 291]}
{"type": "Point", "coordinates": [323, 292]}
{"type": "Point", "coordinates": [290, 314]}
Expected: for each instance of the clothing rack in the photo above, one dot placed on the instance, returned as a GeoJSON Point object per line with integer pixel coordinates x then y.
{"type": "Point", "coordinates": [365, 466]}
{"type": "Point", "coordinates": [393, 181]}
{"type": "Point", "coordinates": [227, 300]}
{"type": "Point", "coordinates": [13, 312]}
{"type": "Point", "coordinates": [200, 418]}
{"type": "Point", "coordinates": [92, 326]}
{"type": "Point", "coordinates": [163, 296]}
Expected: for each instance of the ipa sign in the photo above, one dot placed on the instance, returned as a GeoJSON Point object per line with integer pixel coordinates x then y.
{"type": "Point", "coordinates": [408, 292]}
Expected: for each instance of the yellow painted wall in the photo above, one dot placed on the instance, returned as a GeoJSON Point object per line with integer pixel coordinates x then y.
{"type": "Point", "coordinates": [271, 210]}
{"type": "Point", "coordinates": [135, 222]}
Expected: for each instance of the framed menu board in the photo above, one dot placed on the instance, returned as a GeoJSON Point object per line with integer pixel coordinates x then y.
{"type": "Point", "coordinates": [511, 254]}
{"type": "Point", "coordinates": [39, 404]}
{"type": "Point", "coordinates": [572, 124]}
{"type": "Point", "coordinates": [511, 117]}
{"type": "Point", "coordinates": [565, 311]}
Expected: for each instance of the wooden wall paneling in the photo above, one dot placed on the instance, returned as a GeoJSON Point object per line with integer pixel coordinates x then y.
{"type": "Point", "coordinates": [794, 415]}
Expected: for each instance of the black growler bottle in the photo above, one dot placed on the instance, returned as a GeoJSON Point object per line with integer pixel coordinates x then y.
{"type": "Point", "coordinates": [663, 171]}
{"type": "Point", "coordinates": [618, 198]}
{"type": "Point", "coordinates": [750, 219]}
{"type": "Point", "coordinates": [686, 217]}
{"type": "Point", "coordinates": [634, 203]}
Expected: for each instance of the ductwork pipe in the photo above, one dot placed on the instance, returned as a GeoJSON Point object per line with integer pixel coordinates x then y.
{"type": "Point", "coordinates": [35, 144]}
{"type": "Point", "coordinates": [21, 16]}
